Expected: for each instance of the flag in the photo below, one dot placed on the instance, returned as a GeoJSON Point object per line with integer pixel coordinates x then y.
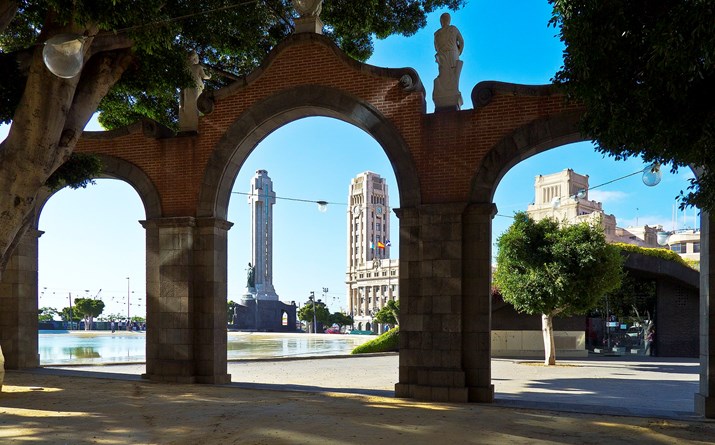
{"type": "Point", "coordinates": [388, 243]}
{"type": "Point", "coordinates": [372, 246]}
{"type": "Point", "coordinates": [380, 245]}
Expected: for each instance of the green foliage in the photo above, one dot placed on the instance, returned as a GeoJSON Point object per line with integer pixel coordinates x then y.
{"type": "Point", "coordinates": [45, 314]}
{"type": "Point", "coordinates": [387, 342]}
{"type": "Point", "coordinates": [665, 254]}
{"type": "Point", "coordinates": [65, 314]}
{"type": "Point", "coordinates": [232, 37]}
{"type": "Point", "coordinates": [78, 171]}
{"type": "Point", "coordinates": [389, 314]}
{"type": "Point", "coordinates": [645, 72]}
{"type": "Point", "coordinates": [546, 269]}
{"type": "Point", "coordinates": [88, 307]}
{"type": "Point", "coordinates": [340, 319]}
{"type": "Point", "coordinates": [322, 314]}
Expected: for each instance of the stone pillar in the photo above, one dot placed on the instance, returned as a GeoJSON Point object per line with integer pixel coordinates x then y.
{"type": "Point", "coordinates": [476, 301]}
{"type": "Point", "coordinates": [211, 295]}
{"type": "Point", "coordinates": [169, 336]}
{"type": "Point", "coordinates": [705, 397]}
{"type": "Point", "coordinates": [431, 304]}
{"type": "Point", "coordinates": [18, 305]}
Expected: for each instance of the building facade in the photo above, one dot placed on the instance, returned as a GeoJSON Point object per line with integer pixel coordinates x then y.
{"type": "Point", "coordinates": [372, 277]}
{"type": "Point", "coordinates": [564, 197]}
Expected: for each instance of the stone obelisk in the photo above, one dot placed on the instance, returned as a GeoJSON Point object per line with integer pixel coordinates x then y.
{"type": "Point", "coordinates": [261, 199]}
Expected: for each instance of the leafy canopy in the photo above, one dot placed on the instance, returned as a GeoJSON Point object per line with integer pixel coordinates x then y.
{"type": "Point", "coordinates": [546, 269]}
{"type": "Point", "coordinates": [231, 37]}
{"type": "Point", "coordinates": [389, 314]}
{"type": "Point", "coordinates": [322, 314]}
{"type": "Point", "coordinates": [645, 71]}
{"type": "Point", "coordinates": [88, 307]}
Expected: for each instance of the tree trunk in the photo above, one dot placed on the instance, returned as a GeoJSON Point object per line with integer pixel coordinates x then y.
{"type": "Point", "coordinates": [547, 328]}
{"type": "Point", "coordinates": [46, 126]}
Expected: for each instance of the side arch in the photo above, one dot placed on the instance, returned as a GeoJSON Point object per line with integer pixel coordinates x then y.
{"type": "Point", "coordinates": [289, 105]}
{"type": "Point", "coordinates": [526, 141]}
{"type": "Point", "coordinates": [117, 168]}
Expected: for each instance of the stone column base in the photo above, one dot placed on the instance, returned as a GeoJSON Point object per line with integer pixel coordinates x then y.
{"type": "Point", "coordinates": [705, 406]}
{"type": "Point", "coordinates": [223, 379]}
{"type": "Point", "coordinates": [481, 394]}
{"type": "Point", "coordinates": [432, 393]}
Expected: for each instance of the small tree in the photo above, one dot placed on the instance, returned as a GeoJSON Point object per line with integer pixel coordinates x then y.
{"type": "Point", "coordinates": [88, 308]}
{"type": "Point", "coordinates": [550, 270]}
{"type": "Point", "coordinates": [46, 314]}
{"type": "Point", "coordinates": [322, 314]}
{"type": "Point", "coordinates": [70, 315]}
{"type": "Point", "coordinates": [389, 314]}
{"type": "Point", "coordinates": [340, 319]}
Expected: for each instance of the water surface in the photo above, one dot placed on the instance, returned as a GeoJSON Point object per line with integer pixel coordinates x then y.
{"type": "Point", "coordinates": [101, 347]}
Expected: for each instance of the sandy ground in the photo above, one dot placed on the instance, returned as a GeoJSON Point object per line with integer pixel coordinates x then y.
{"type": "Point", "coordinates": [50, 409]}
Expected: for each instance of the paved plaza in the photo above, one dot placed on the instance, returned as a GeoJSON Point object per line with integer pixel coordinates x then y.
{"type": "Point", "coordinates": [633, 386]}
{"type": "Point", "coordinates": [349, 400]}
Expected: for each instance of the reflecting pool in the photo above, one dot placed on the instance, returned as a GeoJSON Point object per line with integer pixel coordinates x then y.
{"type": "Point", "coordinates": [99, 347]}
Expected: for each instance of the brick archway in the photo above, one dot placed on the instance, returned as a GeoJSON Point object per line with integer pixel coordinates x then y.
{"type": "Point", "coordinates": [19, 340]}
{"type": "Point", "coordinates": [554, 131]}
{"type": "Point", "coordinates": [446, 164]}
{"type": "Point", "coordinates": [243, 135]}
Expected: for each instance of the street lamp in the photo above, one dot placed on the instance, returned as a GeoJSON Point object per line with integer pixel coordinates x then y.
{"type": "Point", "coordinates": [128, 319]}
{"type": "Point", "coordinates": [315, 319]}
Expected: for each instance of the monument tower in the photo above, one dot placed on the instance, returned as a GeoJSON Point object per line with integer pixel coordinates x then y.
{"type": "Point", "coordinates": [261, 200]}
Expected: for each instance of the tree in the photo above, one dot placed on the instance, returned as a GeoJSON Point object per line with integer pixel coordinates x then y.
{"type": "Point", "coordinates": [340, 319]}
{"type": "Point", "coordinates": [135, 65]}
{"type": "Point", "coordinates": [70, 315]}
{"type": "Point", "coordinates": [645, 72]}
{"type": "Point", "coordinates": [322, 314]}
{"type": "Point", "coordinates": [46, 314]}
{"type": "Point", "coordinates": [550, 270]}
{"type": "Point", "coordinates": [389, 314]}
{"type": "Point", "coordinates": [88, 308]}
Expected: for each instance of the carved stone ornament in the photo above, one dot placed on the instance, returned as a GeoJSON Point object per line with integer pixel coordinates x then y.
{"type": "Point", "coordinates": [308, 8]}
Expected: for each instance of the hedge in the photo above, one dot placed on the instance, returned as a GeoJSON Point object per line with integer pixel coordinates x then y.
{"type": "Point", "coordinates": [387, 342]}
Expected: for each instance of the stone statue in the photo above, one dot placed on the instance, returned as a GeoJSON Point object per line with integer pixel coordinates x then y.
{"type": "Point", "coordinates": [251, 277]}
{"type": "Point", "coordinates": [309, 12]}
{"type": "Point", "coordinates": [449, 44]}
{"type": "Point", "coordinates": [188, 111]}
{"type": "Point", "coordinates": [308, 8]}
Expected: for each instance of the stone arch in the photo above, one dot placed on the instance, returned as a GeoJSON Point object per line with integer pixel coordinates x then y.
{"type": "Point", "coordinates": [282, 108]}
{"type": "Point", "coordinates": [526, 141]}
{"type": "Point", "coordinates": [116, 168]}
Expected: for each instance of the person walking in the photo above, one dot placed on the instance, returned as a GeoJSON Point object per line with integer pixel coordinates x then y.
{"type": "Point", "coordinates": [649, 339]}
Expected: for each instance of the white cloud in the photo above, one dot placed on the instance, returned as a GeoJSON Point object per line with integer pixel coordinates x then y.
{"type": "Point", "coordinates": [607, 196]}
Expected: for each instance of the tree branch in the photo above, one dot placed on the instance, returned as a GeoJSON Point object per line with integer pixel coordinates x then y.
{"type": "Point", "coordinates": [8, 9]}
{"type": "Point", "coordinates": [109, 42]}
{"type": "Point", "coordinates": [99, 75]}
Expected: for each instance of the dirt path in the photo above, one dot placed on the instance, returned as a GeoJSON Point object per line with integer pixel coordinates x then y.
{"type": "Point", "coordinates": [50, 409]}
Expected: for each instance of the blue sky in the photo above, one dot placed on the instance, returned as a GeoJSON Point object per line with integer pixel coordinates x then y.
{"type": "Point", "coordinates": [93, 241]}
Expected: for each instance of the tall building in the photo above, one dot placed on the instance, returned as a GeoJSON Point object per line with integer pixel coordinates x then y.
{"type": "Point", "coordinates": [261, 199]}
{"type": "Point", "coordinates": [564, 197]}
{"type": "Point", "coordinates": [372, 277]}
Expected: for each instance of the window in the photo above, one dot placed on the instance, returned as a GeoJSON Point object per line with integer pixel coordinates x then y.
{"type": "Point", "coordinates": [696, 247]}
{"type": "Point", "coordinates": [677, 248]}
{"type": "Point", "coordinates": [379, 227]}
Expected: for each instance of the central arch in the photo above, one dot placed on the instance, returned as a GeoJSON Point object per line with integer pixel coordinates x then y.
{"type": "Point", "coordinates": [289, 105]}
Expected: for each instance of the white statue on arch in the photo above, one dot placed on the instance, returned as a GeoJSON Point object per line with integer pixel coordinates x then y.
{"type": "Point", "coordinates": [448, 44]}
{"type": "Point", "coordinates": [308, 8]}
{"type": "Point", "coordinates": [188, 111]}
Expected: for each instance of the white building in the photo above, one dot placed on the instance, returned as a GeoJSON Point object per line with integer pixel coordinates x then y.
{"type": "Point", "coordinates": [372, 277]}
{"type": "Point", "coordinates": [564, 196]}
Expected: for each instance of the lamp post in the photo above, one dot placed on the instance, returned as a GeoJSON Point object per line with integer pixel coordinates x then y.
{"type": "Point", "coordinates": [128, 319]}
{"type": "Point", "coordinates": [315, 319]}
